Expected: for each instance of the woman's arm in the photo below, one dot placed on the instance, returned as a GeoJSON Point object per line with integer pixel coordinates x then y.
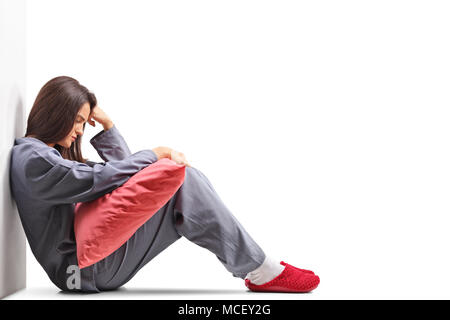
{"type": "Point", "coordinates": [99, 115]}
{"type": "Point", "coordinates": [110, 145]}
{"type": "Point", "coordinates": [107, 125]}
{"type": "Point", "coordinates": [56, 180]}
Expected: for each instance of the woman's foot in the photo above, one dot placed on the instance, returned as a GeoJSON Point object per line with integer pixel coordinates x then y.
{"type": "Point", "coordinates": [304, 270]}
{"type": "Point", "coordinates": [268, 270]}
{"type": "Point", "coordinates": [291, 279]}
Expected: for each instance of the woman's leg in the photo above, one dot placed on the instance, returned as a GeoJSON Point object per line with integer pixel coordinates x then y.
{"type": "Point", "coordinates": [195, 212]}
{"type": "Point", "coordinates": [204, 219]}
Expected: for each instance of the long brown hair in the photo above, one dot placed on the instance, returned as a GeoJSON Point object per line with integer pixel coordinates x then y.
{"type": "Point", "coordinates": [54, 112]}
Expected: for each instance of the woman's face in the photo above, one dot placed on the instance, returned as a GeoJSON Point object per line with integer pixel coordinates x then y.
{"type": "Point", "coordinates": [77, 129]}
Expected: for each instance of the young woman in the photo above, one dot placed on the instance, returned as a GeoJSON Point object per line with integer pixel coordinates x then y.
{"type": "Point", "coordinates": [49, 176]}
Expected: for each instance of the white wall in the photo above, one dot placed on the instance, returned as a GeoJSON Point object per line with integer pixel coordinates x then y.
{"type": "Point", "coordinates": [12, 125]}
{"type": "Point", "coordinates": [324, 125]}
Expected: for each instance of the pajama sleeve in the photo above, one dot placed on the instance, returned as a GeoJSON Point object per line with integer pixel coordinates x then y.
{"type": "Point", "coordinates": [93, 163]}
{"type": "Point", "coordinates": [56, 180]}
{"type": "Point", "coordinates": [110, 144]}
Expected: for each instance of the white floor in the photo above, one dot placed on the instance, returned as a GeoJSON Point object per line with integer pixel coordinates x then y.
{"type": "Point", "coordinates": [189, 272]}
{"type": "Point", "coordinates": [138, 293]}
{"type": "Point", "coordinates": [172, 275]}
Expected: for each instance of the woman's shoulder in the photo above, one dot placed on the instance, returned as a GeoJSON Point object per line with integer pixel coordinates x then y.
{"type": "Point", "coordinates": [27, 146]}
{"type": "Point", "coordinates": [27, 152]}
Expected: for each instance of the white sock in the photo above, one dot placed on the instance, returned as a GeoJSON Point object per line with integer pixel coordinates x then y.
{"type": "Point", "coordinates": [265, 272]}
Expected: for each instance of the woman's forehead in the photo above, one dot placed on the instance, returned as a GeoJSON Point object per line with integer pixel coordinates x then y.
{"type": "Point", "coordinates": [85, 111]}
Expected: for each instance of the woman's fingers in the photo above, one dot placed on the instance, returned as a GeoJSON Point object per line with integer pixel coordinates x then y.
{"type": "Point", "coordinates": [179, 158]}
{"type": "Point", "coordinates": [185, 161]}
{"type": "Point", "coordinates": [91, 118]}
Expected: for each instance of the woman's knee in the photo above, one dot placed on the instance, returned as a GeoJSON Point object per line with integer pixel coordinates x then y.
{"type": "Point", "coordinates": [191, 171]}
{"type": "Point", "coordinates": [194, 174]}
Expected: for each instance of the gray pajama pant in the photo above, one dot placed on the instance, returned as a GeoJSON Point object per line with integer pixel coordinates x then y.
{"type": "Point", "coordinates": [195, 212]}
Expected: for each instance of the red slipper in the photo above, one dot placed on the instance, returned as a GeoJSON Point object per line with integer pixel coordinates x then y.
{"type": "Point", "coordinates": [303, 270]}
{"type": "Point", "coordinates": [290, 280]}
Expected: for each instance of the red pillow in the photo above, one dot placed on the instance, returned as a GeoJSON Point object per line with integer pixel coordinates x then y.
{"type": "Point", "coordinates": [105, 224]}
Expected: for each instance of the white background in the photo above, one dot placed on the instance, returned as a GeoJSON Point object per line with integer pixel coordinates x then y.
{"type": "Point", "coordinates": [323, 125]}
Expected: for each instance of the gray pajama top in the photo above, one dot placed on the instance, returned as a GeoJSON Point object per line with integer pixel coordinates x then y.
{"type": "Point", "coordinates": [45, 187]}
